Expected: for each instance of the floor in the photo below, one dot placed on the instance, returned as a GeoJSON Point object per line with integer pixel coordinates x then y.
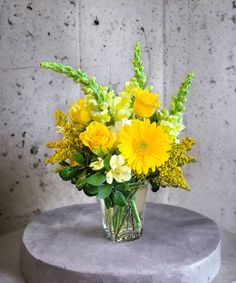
{"type": "Point", "coordinates": [10, 247]}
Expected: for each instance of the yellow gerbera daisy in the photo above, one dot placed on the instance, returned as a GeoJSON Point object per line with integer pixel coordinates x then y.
{"type": "Point", "coordinates": [144, 145]}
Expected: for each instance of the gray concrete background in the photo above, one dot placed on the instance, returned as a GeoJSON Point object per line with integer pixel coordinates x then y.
{"type": "Point", "coordinates": [177, 37]}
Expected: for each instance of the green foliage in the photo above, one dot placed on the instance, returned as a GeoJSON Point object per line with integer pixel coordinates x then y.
{"type": "Point", "coordinates": [178, 99]}
{"type": "Point", "coordinates": [90, 191]}
{"type": "Point", "coordinates": [107, 161]}
{"type": "Point", "coordinates": [138, 66]}
{"type": "Point", "coordinates": [68, 173]}
{"type": "Point", "coordinates": [108, 202]}
{"type": "Point", "coordinates": [154, 187]}
{"type": "Point", "coordinates": [104, 191]}
{"type": "Point", "coordinates": [80, 180]}
{"type": "Point", "coordinates": [79, 158]}
{"type": "Point", "coordinates": [96, 179]}
{"type": "Point", "coordinates": [118, 198]}
{"type": "Point", "coordinates": [89, 86]}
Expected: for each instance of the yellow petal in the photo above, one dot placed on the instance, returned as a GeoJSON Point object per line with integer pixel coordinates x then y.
{"type": "Point", "coordinates": [144, 145]}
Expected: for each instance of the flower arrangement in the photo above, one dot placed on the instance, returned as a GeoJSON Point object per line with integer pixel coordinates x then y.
{"type": "Point", "coordinates": [113, 143]}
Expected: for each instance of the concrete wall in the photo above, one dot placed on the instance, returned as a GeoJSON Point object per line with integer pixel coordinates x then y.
{"type": "Point", "coordinates": [177, 36]}
{"type": "Point", "coordinates": [201, 36]}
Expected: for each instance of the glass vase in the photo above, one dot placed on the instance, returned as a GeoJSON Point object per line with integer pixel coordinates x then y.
{"type": "Point", "coordinates": [125, 223]}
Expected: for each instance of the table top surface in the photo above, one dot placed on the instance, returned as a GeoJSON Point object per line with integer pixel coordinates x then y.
{"type": "Point", "coordinates": [72, 238]}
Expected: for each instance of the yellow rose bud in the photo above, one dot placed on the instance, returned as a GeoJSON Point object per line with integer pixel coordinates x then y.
{"type": "Point", "coordinates": [80, 112]}
{"type": "Point", "coordinates": [97, 137]}
{"type": "Point", "coordinates": [145, 103]}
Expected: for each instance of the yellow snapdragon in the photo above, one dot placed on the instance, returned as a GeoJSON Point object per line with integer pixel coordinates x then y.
{"type": "Point", "coordinates": [172, 124]}
{"type": "Point", "coordinates": [123, 108]}
{"type": "Point", "coordinates": [102, 111]}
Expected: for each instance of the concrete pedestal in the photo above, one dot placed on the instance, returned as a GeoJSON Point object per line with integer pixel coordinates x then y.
{"type": "Point", "coordinates": [67, 245]}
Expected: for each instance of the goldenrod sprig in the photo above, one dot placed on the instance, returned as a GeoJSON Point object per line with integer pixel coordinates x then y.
{"type": "Point", "coordinates": [89, 86]}
{"type": "Point", "coordinates": [178, 100]}
{"type": "Point", "coordinates": [170, 173]}
{"type": "Point", "coordinates": [138, 66]}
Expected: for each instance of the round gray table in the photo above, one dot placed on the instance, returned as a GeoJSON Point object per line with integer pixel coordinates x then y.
{"type": "Point", "coordinates": [67, 245]}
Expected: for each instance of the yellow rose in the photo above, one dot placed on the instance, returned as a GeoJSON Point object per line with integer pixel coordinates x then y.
{"type": "Point", "coordinates": [80, 112]}
{"type": "Point", "coordinates": [97, 137]}
{"type": "Point", "coordinates": [145, 103]}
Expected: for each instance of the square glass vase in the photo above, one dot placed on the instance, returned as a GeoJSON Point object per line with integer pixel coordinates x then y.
{"type": "Point", "coordinates": [125, 223]}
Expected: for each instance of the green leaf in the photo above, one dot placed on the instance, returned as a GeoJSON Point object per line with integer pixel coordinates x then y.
{"type": "Point", "coordinates": [80, 180]}
{"type": "Point", "coordinates": [80, 184]}
{"type": "Point", "coordinates": [96, 179]}
{"type": "Point", "coordinates": [107, 161]}
{"type": "Point", "coordinates": [153, 118]}
{"type": "Point", "coordinates": [119, 198]}
{"type": "Point", "coordinates": [108, 202]}
{"type": "Point", "coordinates": [90, 190]}
{"type": "Point", "coordinates": [79, 158]}
{"type": "Point", "coordinates": [154, 187]}
{"type": "Point", "coordinates": [68, 173]}
{"type": "Point", "coordinates": [124, 189]}
{"type": "Point", "coordinates": [104, 191]}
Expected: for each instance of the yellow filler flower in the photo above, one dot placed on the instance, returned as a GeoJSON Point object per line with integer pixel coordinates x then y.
{"type": "Point", "coordinates": [144, 145]}
{"type": "Point", "coordinates": [145, 103]}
